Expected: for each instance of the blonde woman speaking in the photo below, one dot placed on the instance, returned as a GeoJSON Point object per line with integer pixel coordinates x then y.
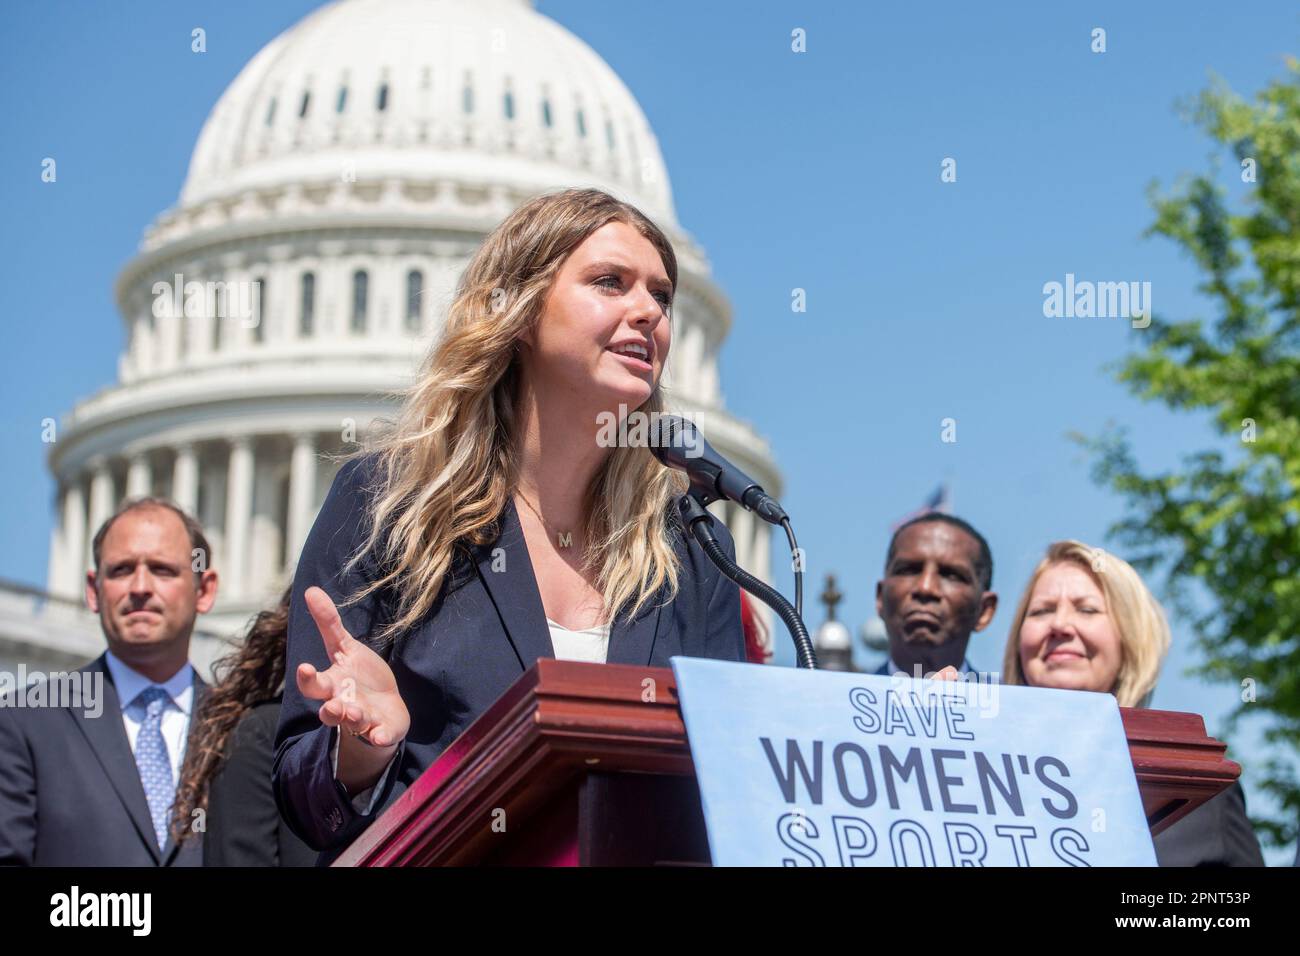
{"type": "Point", "coordinates": [489, 526]}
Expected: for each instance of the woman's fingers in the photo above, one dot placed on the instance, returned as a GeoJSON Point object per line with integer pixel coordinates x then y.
{"type": "Point", "coordinates": [340, 712]}
{"type": "Point", "coordinates": [358, 691]}
{"type": "Point", "coordinates": [352, 718]}
{"type": "Point", "coordinates": [314, 684]}
{"type": "Point", "coordinates": [331, 712]}
{"type": "Point", "coordinates": [328, 622]}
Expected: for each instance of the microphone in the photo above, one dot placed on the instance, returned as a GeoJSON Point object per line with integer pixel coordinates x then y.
{"type": "Point", "coordinates": [678, 444]}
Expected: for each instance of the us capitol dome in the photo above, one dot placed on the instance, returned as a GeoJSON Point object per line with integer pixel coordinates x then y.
{"type": "Point", "coordinates": [348, 174]}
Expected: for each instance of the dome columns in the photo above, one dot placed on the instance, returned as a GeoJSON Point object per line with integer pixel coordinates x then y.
{"type": "Point", "coordinates": [101, 493]}
{"type": "Point", "coordinates": [139, 476]}
{"type": "Point", "coordinates": [69, 542]}
{"type": "Point", "coordinates": [302, 490]}
{"type": "Point", "coordinates": [185, 478]}
{"type": "Point", "coordinates": [239, 504]}
{"type": "Point", "coordinates": [255, 495]}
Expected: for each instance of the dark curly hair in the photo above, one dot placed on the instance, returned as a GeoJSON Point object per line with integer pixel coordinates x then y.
{"type": "Point", "coordinates": [249, 675]}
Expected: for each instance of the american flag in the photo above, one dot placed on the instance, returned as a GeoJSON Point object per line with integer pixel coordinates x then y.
{"type": "Point", "coordinates": [940, 500]}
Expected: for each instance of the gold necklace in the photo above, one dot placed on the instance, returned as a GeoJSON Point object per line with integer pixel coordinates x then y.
{"type": "Point", "coordinates": [562, 539]}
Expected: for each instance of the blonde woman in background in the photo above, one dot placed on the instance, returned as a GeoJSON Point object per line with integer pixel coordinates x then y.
{"type": "Point", "coordinates": [1086, 621]}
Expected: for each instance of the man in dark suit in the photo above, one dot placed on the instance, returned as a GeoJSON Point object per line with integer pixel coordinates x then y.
{"type": "Point", "coordinates": [90, 781]}
{"type": "Point", "coordinates": [937, 590]}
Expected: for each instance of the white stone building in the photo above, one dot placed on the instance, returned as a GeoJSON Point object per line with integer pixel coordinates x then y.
{"type": "Point", "coordinates": [349, 171]}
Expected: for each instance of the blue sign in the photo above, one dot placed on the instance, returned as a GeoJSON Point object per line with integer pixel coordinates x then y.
{"type": "Point", "coordinates": [813, 768]}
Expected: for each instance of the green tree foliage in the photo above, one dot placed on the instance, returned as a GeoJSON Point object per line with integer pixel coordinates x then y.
{"type": "Point", "coordinates": [1226, 524]}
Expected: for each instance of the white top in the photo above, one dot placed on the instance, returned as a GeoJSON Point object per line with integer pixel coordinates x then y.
{"type": "Point", "coordinates": [176, 712]}
{"type": "Point", "coordinates": [590, 644]}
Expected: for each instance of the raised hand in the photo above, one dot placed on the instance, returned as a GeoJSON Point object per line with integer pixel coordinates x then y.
{"type": "Point", "coordinates": [358, 689]}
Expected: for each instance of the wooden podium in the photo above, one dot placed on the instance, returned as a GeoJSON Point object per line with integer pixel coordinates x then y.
{"type": "Point", "coordinates": [588, 765]}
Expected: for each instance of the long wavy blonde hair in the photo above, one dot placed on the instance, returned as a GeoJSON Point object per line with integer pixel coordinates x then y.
{"type": "Point", "coordinates": [1139, 620]}
{"type": "Point", "coordinates": [447, 467]}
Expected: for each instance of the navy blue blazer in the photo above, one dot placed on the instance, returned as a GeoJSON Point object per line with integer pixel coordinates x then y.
{"type": "Point", "coordinates": [484, 630]}
{"type": "Point", "coordinates": [70, 791]}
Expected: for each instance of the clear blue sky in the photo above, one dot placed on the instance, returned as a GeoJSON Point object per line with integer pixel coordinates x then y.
{"type": "Point", "coordinates": [818, 171]}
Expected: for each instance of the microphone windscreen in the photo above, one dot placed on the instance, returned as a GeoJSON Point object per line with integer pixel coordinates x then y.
{"type": "Point", "coordinates": [675, 440]}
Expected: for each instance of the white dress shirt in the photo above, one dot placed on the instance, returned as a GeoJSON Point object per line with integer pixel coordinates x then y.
{"type": "Point", "coordinates": [590, 644]}
{"type": "Point", "coordinates": [176, 712]}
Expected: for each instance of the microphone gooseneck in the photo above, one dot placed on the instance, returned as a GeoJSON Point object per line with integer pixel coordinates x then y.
{"type": "Point", "coordinates": [700, 524]}
{"type": "Point", "coordinates": [677, 443]}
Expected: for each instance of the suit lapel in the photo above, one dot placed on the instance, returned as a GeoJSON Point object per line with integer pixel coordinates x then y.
{"type": "Point", "coordinates": [106, 735]}
{"type": "Point", "coordinates": [631, 641]}
{"type": "Point", "coordinates": [507, 573]}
